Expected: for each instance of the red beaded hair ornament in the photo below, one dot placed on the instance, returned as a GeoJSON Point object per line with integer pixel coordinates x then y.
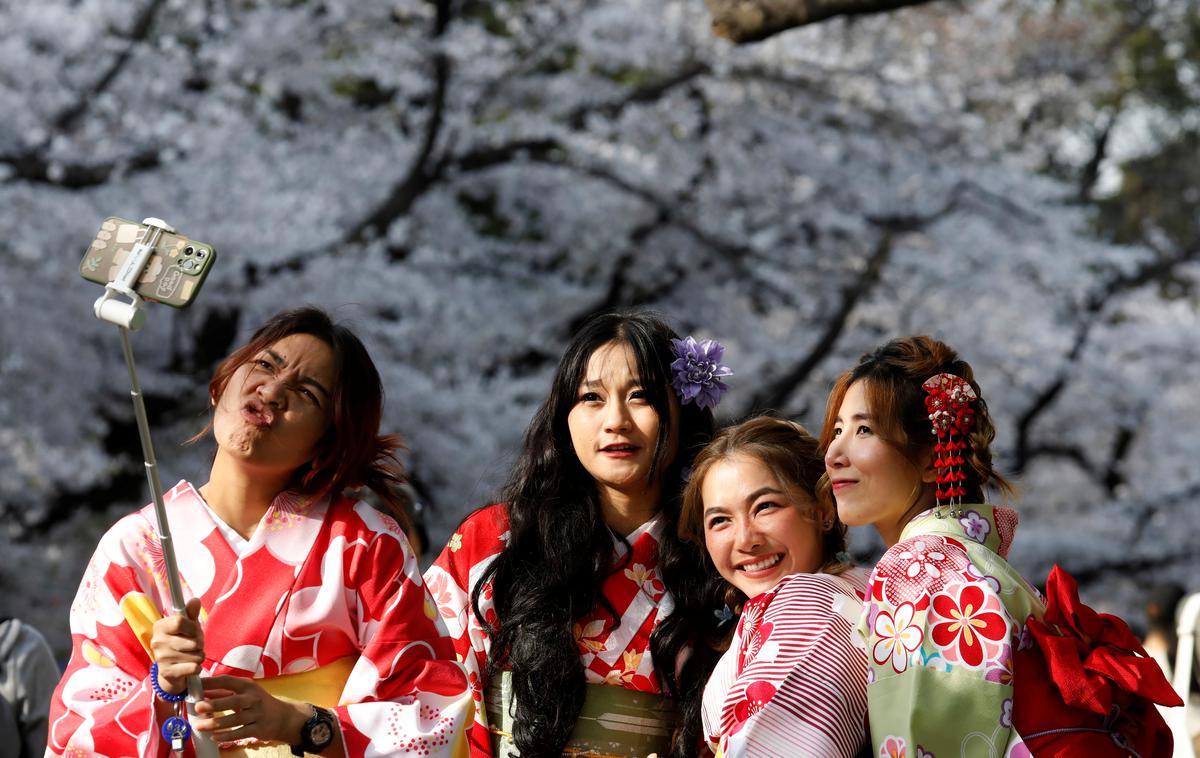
{"type": "Point", "coordinates": [950, 400]}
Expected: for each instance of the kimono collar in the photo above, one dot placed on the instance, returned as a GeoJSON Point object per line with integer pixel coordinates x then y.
{"type": "Point", "coordinates": [992, 526]}
{"type": "Point", "coordinates": [644, 538]}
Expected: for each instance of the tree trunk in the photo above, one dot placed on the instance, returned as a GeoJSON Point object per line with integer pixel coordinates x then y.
{"type": "Point", "coordinates": [752, 20]}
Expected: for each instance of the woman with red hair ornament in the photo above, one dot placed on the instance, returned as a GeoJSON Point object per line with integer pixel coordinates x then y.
{"type": "Point", "coordinates": [966, 658]}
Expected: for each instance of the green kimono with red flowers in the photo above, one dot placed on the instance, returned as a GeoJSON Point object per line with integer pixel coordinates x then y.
{"type": "Point", "coordinates": [944, 613]}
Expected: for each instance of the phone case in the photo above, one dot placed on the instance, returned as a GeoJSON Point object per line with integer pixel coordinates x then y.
{"type": "Point", "coordinates": [174, 273]}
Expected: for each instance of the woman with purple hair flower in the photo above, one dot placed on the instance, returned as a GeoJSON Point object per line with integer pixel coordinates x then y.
{"type": "Point", "coordinates": [574, 599]}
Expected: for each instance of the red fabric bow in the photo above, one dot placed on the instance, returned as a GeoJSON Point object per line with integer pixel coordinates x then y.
{"type": "Point", "coordinates": [1086, 674]}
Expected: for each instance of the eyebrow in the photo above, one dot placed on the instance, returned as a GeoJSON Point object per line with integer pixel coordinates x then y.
{"type": "Point", "coordinates": [304, 378]}
{"type": "Point", "coordinates": [855, 417]}
{"type": "Point", "coordinates": [755, 495]}
{"type": "Point", "coordinates": [600, 383]}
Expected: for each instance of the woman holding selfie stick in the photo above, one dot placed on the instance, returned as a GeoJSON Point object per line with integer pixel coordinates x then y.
{"type": "Point", "coordinates": [306, 611]}
{"type": "Point", "coordinates": [574, 603]}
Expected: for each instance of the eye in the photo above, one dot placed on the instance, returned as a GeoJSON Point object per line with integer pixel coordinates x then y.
{"type": "Point", "coordinates": [837, 432]}
{"type": "Point", "coordinates": [766, 505]}
{"type": "Point", "coordinates": [715, 521]}
{"type": "Point", "coordinates": [264, 364]}
{"type": "Point", "coordinates": [639, 394]}
{"type": "Point", "coordinates": [862, 430]}
{"type": "Point", "coordinates": [589, 397]}
{"type": "Point", "coordinates": [309, 395]}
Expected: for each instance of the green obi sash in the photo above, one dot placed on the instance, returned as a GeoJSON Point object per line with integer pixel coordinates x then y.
{"type": "Point", "coordinates": [614, 721]}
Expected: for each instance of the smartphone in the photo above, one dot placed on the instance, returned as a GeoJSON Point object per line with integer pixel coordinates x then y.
{"type": "Point", "coordinates": [173, 274]}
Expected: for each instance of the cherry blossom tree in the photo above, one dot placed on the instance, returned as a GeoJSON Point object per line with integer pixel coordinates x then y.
{"type": "Point", "coordinates": [467, 181]}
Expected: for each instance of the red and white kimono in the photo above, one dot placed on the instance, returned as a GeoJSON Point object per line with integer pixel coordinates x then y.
{"type": "Point", "coordinates": [324, 603]}
{"type": "Point", "coordinates": [619, 657]}
{"type": "Point", "coordinates": [794, 679]}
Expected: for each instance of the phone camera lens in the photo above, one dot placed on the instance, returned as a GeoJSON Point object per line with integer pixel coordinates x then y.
{"type": "Point", "coordinates": [201, 252]}
{"type": "Point", "coordinates": [188, 250]}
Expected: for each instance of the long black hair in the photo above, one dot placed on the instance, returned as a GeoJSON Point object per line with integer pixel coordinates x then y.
{"type": "Point", "coordinates": [560, 550]}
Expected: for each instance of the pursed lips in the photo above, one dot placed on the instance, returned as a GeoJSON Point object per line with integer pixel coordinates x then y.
{"type": "Point", "coordinates": [257, 414]}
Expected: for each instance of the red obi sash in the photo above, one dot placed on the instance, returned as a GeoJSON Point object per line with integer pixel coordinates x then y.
{"type": "Point", "coordinates": [1084, 685]}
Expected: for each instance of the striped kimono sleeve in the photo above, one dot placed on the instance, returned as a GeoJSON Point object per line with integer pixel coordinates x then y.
{"type": "Point", "coordinates": [794, 681]}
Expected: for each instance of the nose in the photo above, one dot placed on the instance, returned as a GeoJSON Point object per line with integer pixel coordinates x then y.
{"type": "Point", "coordinates": [272, 392]}
{"type": "Point", "coordinates": [835, 455]}
{"type": "Point", "coordinates": [616, 416]}
{"type": "Point", "coordinates": [748, 537]}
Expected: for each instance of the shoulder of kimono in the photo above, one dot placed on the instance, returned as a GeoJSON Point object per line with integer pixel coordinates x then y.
{"type": "Point", "coordinates": [492, 519]}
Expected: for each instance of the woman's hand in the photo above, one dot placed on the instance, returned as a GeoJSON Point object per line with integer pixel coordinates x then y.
{"type": "Point", "coordinates": [247, 710]}
{"type": "Point", "coordinates": [178, 646]}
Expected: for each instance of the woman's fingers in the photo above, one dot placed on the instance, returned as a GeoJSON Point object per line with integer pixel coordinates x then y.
{"type": "Point", "coordinates": [233, 707]}
{"type": "Point", "coordinates": [230, 702]}
{"type": "Point", "coordinates": [177, 642]}
{"type": "Point", "coordinates": [226, 720]}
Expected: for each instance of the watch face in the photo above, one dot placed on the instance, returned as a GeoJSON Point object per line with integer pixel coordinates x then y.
{"type": "Point", "coordinates": [321, 734]}
{"type": "Point", "coordinates": [318, 731]}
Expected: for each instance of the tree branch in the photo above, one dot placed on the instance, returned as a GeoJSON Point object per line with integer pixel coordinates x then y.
{"type": "Point", "coordinates": [752, 20]}
{"type": "Point", "coordinates": [648, 94]}
{"type": "Point", "coordinates": [775, 393]}
{"type": "Point", "coordinates": [1162, 266]}
{"type": "Point", "coordinates": [422, 172]}
{"type": "Point", "coordinates": [34, 167]}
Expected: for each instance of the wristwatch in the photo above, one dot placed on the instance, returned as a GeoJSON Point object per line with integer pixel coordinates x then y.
{"type": "Point", "coordinates": [317, 732]}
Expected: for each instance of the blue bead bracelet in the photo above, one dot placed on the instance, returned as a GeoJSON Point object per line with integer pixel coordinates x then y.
{"type": "Point", "coordinates": [158, 690]}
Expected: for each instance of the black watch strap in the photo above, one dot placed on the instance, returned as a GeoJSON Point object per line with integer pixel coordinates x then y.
{"type": "Point", "coordinates": [317, 733]}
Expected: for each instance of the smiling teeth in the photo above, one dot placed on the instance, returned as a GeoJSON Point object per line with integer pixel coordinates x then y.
{"type": "Point", "coordinates": [763, 564]}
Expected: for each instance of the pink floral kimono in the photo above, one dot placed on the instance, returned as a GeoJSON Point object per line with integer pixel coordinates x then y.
{"type": "Point", "coordinates": [324, 603]}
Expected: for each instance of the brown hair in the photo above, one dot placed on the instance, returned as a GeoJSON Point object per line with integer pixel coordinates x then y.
{"type": "Point", "coordinates": [792, 455]}
{"type": "Point", "coordinates": [351, 453]}
{"type": "Point", "coordinates": [892, 376]}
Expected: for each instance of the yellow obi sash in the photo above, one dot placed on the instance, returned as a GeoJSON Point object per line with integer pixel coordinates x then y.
{"type": "Point", "coordinates": [322, 686]}
{"type": "Point", "coordinates": [614, 721]}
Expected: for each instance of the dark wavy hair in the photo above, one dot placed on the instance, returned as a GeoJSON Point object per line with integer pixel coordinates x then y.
{"type": "Point", "coordinates": [792, 455]}
{"type": "Point", "coordinates": [352, 453]}
{"type": "Point", "coordinates": [892, 376]}
{"type": "Point", "coordinates": [560, 551]}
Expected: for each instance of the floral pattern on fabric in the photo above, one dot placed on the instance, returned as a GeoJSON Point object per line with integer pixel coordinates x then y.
{"type": "Point", "coordinates": [919, 566]}
{"type": "Point", "coordinates": [793, 680]}
{"type": "Point", "coordinates": [334, 588]}
{"type": "Point", "coordinates": [975, 526]}
{"type": "Point", "coordinates": [893, 747]}
{"type": "Point", "coordinates": [897, 637]}
{"type": "Point", "coordinates": [611, 654]}
{"type": "Point", "coordinates": [944, 613]}
{"type": "Point", "coordinates": [968, 625]}
{"type": "Point", "coordinates": [757, 695]}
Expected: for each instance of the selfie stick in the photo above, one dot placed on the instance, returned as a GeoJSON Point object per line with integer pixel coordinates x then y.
{"type": "Point", "coordinates": [129, 316]}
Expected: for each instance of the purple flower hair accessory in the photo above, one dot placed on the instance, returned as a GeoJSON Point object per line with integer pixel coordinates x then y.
{"type": "Point", "coordinates": [697, 371]}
